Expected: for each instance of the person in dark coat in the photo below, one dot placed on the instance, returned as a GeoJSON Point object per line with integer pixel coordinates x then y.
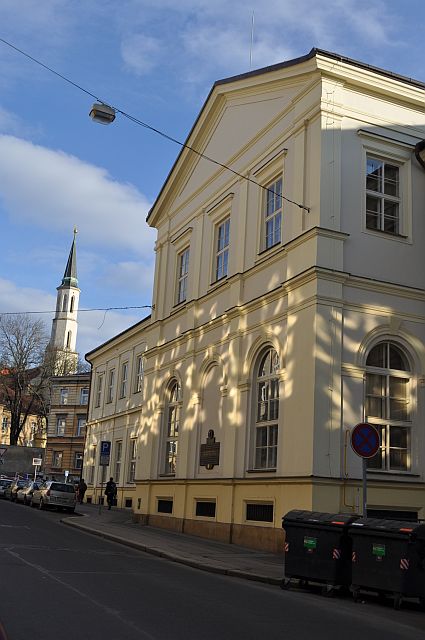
{"type": "Point", "coordinates": [110, 492]}
{"type": "Point", "coordinates": [81, 490]}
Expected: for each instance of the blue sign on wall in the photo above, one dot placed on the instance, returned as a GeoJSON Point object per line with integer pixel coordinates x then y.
{"type": "Point", "coordinates": [105, 453]}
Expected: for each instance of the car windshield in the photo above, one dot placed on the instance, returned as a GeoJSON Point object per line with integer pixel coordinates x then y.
{"type": "Point", "coordinates": [5, 483]}
{"type": "Point", "coordinates": [65, 488]}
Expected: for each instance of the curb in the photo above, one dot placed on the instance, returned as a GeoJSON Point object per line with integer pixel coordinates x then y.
{"type": "Point", "coordinates": [196, 564]}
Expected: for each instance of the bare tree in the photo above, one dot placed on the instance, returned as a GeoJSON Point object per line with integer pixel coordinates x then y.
{"type": "Point", "coordinates": [24, 369]}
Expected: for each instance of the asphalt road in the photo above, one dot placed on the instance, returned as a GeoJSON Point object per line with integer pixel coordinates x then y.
{"type": "Point", "coordinates": [57, 583]}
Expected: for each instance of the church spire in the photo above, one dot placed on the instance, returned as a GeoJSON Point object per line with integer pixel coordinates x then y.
{"type": "Point", "coordinates": [70, 275]}
{"type": "Point", "coordinates": [63, 339]}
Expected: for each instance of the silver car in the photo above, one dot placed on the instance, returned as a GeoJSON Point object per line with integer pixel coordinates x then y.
{"type": "Point", "coordinates": [4, 483]}
{"type": "Point", "coordinates": [55, 494]}
{"type": "Point", "coordinates": [25, 494]}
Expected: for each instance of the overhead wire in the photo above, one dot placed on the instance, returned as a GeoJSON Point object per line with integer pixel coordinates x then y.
{"type": "Point", "coordinates": [151, 128]}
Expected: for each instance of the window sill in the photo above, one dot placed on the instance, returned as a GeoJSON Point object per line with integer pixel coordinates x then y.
{"type": "Point", "coordinates": [398, 237]}
{"type": "Point", "coordinates": [384, 473]}
{"type": "Point", "coordinates": [166, 475]}
{"type": "Point", "coordinates": [261, 471]}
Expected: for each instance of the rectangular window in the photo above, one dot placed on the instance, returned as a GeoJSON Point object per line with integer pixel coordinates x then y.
{"type": "Point", "coordinates": [165, 506]}
{"type": "Point", "coordinates": [205, 508]}
{"type": "Point", "coordinates": [99, 385]}
{"type": "Point", "coordinates": [118, 456]}
{"type": "Point", "coordinates": [124, 378]}
{"type": "Point", "coordinates": [273, 214]}
{"type": "Point", "coordinates": [138, 386]}
{"type": "Point", "coordinates": [57, 459]}
{"type": "Point", "coordinates": [222, 249]}
{"type": "Point", "coordinates": [92, 467]}
{"type": "Point", "coordinates": [382, 196]}
{"type": "Point", "coordinates": [60, 425]}
{"type": "Point", "coordinates": [4, 424]}
{"type": "Point", "coordinates": [81, 425]}
{"type": "Point", "coordinates": [259, 512]}
{"type": "Point", "coordinates": [183, 272]}
{"type": "Point", "coordinates": [78, 460]}
{"type": "Point", "coordinates": [132, 461]}
{"type": "Point", "coordinates": [111, 382]}
{"type": "Point", "coordinates": [84, 395]}
{"type": "Point", "coordinates": [64, 396]}
{"type": "Point", "coordinates": [266, 447]}
{"type": "Point", "coordinates": [394, 451]}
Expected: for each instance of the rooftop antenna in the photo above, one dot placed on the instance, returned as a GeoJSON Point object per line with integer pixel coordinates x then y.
{"type": "Point", "coordinates": [252, 41]}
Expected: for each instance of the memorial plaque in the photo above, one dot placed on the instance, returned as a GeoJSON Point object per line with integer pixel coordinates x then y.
{"type": "Point", "coordinates": [210, 452]}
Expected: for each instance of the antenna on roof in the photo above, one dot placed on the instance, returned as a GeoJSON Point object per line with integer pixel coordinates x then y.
{"type": "Point", "coordinates": [252, 41]}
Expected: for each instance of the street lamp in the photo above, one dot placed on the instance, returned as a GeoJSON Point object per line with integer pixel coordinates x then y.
{"type": "Point", "coordinates": [102, 113]}
{"type": "Point", "coordinates": [420, 153]}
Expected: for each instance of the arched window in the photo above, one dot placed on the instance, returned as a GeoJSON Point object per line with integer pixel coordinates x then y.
{"type": "Point", "coordinates": [266, 410]}
{"type": "Point", "coordinates": [171, 428]}
{"type": "Point", "coordinates": [65, 303]}
{"type": "Point", "coordinates": [72, 304]}
{"type": "Point", "coordinates": [68, 340]}
{"type": "Point", "coordinates": [388, 405]}
{"type": "Point", "coordinates": [58, 303]}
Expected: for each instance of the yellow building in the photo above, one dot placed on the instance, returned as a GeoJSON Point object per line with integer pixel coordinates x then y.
{"type": "Point", "coordinates": [281, 314]}
{"type": "Point", "coordinates": [33, 433]}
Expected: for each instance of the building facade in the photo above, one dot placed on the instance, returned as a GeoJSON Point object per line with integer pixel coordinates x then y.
{"type": "Point", "coordinates": [281, 315]}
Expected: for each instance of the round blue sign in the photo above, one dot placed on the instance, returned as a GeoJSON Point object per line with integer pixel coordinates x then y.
{"type": "Point", "coordinates": [365, 440]}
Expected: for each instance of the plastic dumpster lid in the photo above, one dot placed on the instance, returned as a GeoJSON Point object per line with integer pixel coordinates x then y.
{"type": "Point", "coordinates": [318, 517]}
{"type": "Point", "coordinates": [393, 526]}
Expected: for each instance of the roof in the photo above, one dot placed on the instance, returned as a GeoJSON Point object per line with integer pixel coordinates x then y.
{"type": "Point", "coordinates": [70, 276]}
{"type": "Point", "coordinates": [275, 67]}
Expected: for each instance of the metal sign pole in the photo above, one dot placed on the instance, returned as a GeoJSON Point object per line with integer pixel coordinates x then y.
{"type": "Point", "coordinates": [364, 487]}
{"type": "Point", "coordinates": [102, 480]}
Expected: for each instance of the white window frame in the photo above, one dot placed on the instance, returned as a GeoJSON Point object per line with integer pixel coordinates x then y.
{"type": "Point", "coordinates": [124, 379]}
{"type": "Point", "coordinates": [78, 458]}
{"type": "Point", "coordinates": [64, 396]}
{"type": "Point", "coordinates": [272, 213]}
{"type": "Point", "coordinates": [381, 197]}
{"type": "Point", "coordinates": [92, 466]}
{"type": "Point", "coordinates": [60, 425]}
{"type": "Point", "coordinates": [111, 385]}
{"type": "Point", "coordinates": [139, 374]}
{"type": "Point", "coordinates": [84, 396]}
{"type": "Point", "coordinates": [132, 460]}
{"type": "Point", "coordinates": [386, 423]}
{"type": "Point", "coordinates": [81, 425]}
{"type": "Point", "coordinates": [117, 460]}
{"type": "Point", "coordinates": [57, 457]}
{"type": "Point", "coordinates": [99, 389]}
{"type": "Point", "coordinates": [183, 258]}
{"type": "Point", "coordinates": [222, 243]}
{"type": "Point", "coordinates": [398, 154]}
{"type": "Point", "coordinates": [265, 432]}
{"type": "Point", "coordinates": [171, 429]}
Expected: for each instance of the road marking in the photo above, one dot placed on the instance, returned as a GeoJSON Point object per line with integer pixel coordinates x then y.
{"type": "Point", "coordinates": [85, 596]}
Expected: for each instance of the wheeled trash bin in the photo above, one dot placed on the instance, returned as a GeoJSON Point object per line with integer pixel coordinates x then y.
{"type": "Point", "coordinates": [317, 548]}
{"type": "Point", "coordinates": [388, 558]}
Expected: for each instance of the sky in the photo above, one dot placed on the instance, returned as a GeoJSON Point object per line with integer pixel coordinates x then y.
{"type": "Point", "coordinates": [156, 60]}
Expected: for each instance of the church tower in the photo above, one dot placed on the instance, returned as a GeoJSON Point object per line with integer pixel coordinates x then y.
{"type": "Point", "coordinates": [63, 338]}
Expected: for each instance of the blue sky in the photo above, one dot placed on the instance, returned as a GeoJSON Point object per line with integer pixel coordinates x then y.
{"type": "Point", "coordinates": [157, 61]}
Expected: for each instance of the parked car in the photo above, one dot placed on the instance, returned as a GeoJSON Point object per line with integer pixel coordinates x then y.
{"type": "Point", "coordinates": [13, 488]}
{"type": "Point", "coordinates": [55, 494]}
{"type": "Point", "coordinates": [25, 493]}
{"type": "Point", "coordinates": [4, 483]}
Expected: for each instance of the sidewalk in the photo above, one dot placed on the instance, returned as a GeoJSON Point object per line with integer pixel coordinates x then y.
{"type": "Point", "coordinates": [208, 555]}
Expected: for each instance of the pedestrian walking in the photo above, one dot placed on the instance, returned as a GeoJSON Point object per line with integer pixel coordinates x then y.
{"type": "Point", "coordinates": [81, 490]}
{"type": "Point", "coordinates": [110, 492]}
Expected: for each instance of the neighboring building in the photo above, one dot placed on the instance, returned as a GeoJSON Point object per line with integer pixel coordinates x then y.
{"type": "Point", "coordinates": [33, 433]}
{"type": "Point", "coordinates": [69, 392]}
{"type": "Point", "coordinates": [278, 323]}
{"type": "Point", "coordinates": [66, 430]}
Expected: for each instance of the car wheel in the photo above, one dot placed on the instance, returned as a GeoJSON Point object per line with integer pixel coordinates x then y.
{"type": "Point", "coordinates": [71, 510]}
{"type": "Point", "coordinates": [25, 501]}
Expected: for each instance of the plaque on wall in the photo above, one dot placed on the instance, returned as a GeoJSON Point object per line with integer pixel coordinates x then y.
{"type": "Point", "coordinates": [210, 452]}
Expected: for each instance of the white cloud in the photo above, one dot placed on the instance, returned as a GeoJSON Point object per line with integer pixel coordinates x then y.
{"type": "Point", "coordinates": [51, 188]}
{"type": "Point", "coordinates": [141, 53]}
{"type": "Point", "coordinates": [94, 327]}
